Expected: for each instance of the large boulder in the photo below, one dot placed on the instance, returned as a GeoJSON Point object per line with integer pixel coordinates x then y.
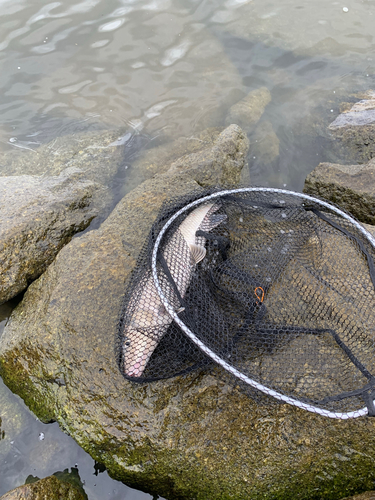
{"type": "Point", "coordinates": [195, 436]}
{"type": "Point", "coordinates": [352, 187]}
{"type": "Point", "coordinates": [38, 216]}
{"type": "Point", "coordinates": [49, 194]}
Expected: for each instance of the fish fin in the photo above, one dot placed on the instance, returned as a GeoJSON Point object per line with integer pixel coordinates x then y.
{"type": "Point", "coordinates": [197, 252]}
{"type": "Point", "coordinates": [180, 310]}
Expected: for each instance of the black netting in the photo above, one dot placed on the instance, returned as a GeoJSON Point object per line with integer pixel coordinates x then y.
{"type": "Point", "coordinates": [276, 288]}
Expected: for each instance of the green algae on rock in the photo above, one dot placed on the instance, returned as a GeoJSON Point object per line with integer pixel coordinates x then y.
{"type": "Point", "coordinates": [192, 437]}
{"type": "Point", "coordinates": [38, 216]}
{"type": "Point", "coordinates": [351, 187]}
{"type": "Point", "coordinates": [51, 488]}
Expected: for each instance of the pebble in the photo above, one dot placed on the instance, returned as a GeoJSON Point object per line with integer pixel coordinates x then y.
{"type": "Point", "coordinates": [345, 9]}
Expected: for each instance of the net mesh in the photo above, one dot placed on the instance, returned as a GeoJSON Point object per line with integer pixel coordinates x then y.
{"type": "Point", "coordinates": [276, 287]}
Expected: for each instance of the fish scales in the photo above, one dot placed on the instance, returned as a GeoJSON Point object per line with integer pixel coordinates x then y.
{"type": "Point", "coordinates": [149, 319]}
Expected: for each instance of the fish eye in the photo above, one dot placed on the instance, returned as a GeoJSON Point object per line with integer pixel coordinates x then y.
{"type": "Point", "coordinates": [127, 343]}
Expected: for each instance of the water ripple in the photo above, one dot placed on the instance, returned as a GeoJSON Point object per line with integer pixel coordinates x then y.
{"type": "Point", "coordinates": [175, 53]}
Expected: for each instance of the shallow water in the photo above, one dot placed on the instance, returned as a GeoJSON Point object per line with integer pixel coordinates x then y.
{"type": "Point", "coordinates": [166, 69]}
{"type": "Point", "coordinates": [172, 68]}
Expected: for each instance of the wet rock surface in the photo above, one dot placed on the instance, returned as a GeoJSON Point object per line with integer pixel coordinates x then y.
{"type": "Point", "coordinates": [368, 495]}
{"type": "Point", "coordinates": [248, 111]}
{"type": "Point", "coordinates": [38, 216]}
{"type": "Point", "coordinates": [98, 154]}
{"type": "Point", "coordinates": [354, 128]}
{"type": "Point", "coordinates": [197, 436]}
{"type": "Point", "coordinates": [51, 488]}
{"type": "Point", "coordinates": [214, 155]}
{"type": "Point", "coordinates": [352, 187]}
{"type": "Point", "coordinates": [220, 164]}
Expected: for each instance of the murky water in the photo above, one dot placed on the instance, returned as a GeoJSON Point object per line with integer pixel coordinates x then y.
{"type": "Point", "coordinates": [167, 69]}
{"type": "Point", "coordinates": [173, 68]}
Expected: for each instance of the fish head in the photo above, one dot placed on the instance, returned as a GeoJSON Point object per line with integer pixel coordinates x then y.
{"type": "Point", "coordinates": [140, 339]}
{"type": "Point", "coordinates": [137, 348]}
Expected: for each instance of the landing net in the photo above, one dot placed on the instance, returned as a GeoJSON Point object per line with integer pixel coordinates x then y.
{"type": "Point", "coordinates": [276, 287]}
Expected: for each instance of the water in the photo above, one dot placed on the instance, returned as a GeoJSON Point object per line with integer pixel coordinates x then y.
{"type": "Point", "coordinates": [166, 69]}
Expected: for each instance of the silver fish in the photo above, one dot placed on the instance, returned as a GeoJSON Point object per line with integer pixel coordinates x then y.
{"type": "Point", "coordinates": [149, 319]}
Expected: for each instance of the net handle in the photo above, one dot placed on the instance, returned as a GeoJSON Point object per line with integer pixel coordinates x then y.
{"type": "Point", "coordinates": [209, 352]}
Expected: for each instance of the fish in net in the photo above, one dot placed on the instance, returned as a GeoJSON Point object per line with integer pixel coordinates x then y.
{"type": "Point", "coordinates": [276, 287]}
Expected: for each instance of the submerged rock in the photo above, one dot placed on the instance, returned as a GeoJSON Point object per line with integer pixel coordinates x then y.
{"type": "Point", "coordinates": [265, 145]}
{"type": "Point", "coordinates": [51, 488]}
{"type": "Point", "coordinates": [38, 216]}
{"type": "Point", "coordinates": [352, 187]}
{"type": "Point", "coordinates": [196, 436]}
{"type": "Point", "coordinates": [355, 128]}
{"type": "Point", "coordinates": [248, 111]}
{"type": "Point", "coordinates": [264, 150]}
{"type": "Point", "coordinates": [98, 154]}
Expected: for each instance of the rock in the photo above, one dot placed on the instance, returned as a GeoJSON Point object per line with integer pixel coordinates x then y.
{"type": "Point", "coordinates": [158, 160]}
{"type": "Point", "coordinates": [196, 436]}
{"type": "Point", "coordinates": [38, 216]}
{"type": "Point", "coordinates": [370, 228]}
{"type": "Point", "coordinates": [220, 164]}
{"type": "Point", "coordinates": [355, 128]}
{"type": "Point", "coordinates": [215, 152]}
{"type": "Point", "coordinates": [361, 113]}
{"type": "Point", "coordinates": [351, 187]}
{"type": "Point", "coordinates": [247, 112]}
{"type": "Point", "coordinates": [50, 488]}
{"type": "Point", "coordinates": [368, 495]}
{"type": "Point", "coordinates": [99, 155]}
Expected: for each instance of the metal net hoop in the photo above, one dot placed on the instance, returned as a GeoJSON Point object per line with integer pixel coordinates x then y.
{"type": "Point", "coordinates": [201, 345]}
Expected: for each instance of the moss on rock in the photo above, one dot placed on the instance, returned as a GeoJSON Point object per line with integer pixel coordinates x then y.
{"type": "Point", "coordinates": [51, 488]}
{"type": "Point", "coordinates": [193, 437]}
{"type": "Point", "coordinates": [38, 216]}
